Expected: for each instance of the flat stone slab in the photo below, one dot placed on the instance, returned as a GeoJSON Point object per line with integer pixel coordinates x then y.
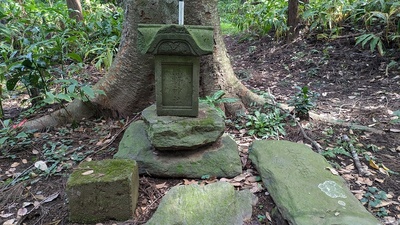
{"type": "Point", "coordinates": [302, 187]}
{"type": "Point", "coordinates": [218, 203]}
{"type": "Point", "coordinates": [103, 190]}
{"type": "Point", "coordinates": [170, 133]}
{"type": "Point", "coordinates": [220, 159]}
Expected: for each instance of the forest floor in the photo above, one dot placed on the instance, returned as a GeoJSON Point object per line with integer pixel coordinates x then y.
{"type": "Point", "coordinates": [355, 87]}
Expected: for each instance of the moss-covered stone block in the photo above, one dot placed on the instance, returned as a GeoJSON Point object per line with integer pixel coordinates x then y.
{"type": "Point", "coordinates": [170, 133]}
{"type": "Point", "coordinates": [103, 190]}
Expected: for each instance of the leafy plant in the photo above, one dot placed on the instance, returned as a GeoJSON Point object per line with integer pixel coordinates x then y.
{"type": "Point", "coordinates": [217, 99]}
{"type": "Point", "coordinates": [12, 138]}
{"type": "Point", "coordinates": [375, 42]}
{"type": "Point", "coordinates": [303, 101]}
{"type": "Point", "coordinates": [373, 197]}
{"type": "Point", "coordinates": [72, 90]}
{"type": "Point", "coordinates": [39, 42]}
{"type": "Point", "coordinates": [333, 152]}
{"type": "Point", "coordinates": [266, 125]}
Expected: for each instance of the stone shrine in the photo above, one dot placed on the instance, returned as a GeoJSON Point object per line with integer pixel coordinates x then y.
{"type": "Point", "coordinates": [178, 137]}
{"type": "Point", "coordinates": [177, 50]}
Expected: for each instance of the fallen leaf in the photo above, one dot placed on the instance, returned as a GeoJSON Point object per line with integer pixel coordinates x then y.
{"type": "Point", "coordinates": [163, 185]}
{"type": "Point", "coordinates": [384, 203]}
{"type": "Point", "coordinates": [22, 212]}
{"type": "Point", "coordinates": [379, 180]}
{"type": "Point", "coordinates": [348, 176]}
{"type": "Point", "coordinates": [88, 172]}
{"type": "Point", "coordinates": [333, 171]}
{"type": "Point", "coordinates": [268, 216]}
{"type": "Point", "coordinates": [25, 204]}
{"type": "Point", "coordinates": [385, 168]}
{"type": "Point", "coordinates": [39, 197]}
{"type": "Point", "coordinates": [236, 184]}
{"type": "Point", "coordinates": [35, 152]}
{"type": "Point", "coordinates": [240, 177]}
{"type": "Point", "coordinates": [36, 204]}
{"type": "Point", "coordinates": [5, 215]}
{"type": "Point", "coordinates": [253, 179]}
{"type": "Point", "coordinates": [41, 165]}
{"type": "Point", "coordinates": [9, 222]}
{"type": "Point", "coordinates": [383, 171]}
{"type": "Point", "coordinates": [225, 180]}
{"type": "Point", "coordinates": [394, 130]}
{"type": "Point", "coordinates": [15, 164]}
{"type": "Point", "coordinates": [187, 182]}
{"type": "Point", "coordinates": [373, 164]}
{"type": "Point", "coordinates": [24, 161]}
{"type": "Point", "coordinates": [390, 220]}
{"type": "Point", "coordinates": [51, 197]}
{"type": "Point", "coordinates": [256, 188]}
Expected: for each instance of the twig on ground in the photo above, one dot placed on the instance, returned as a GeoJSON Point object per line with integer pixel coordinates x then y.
{"type": "Point", "coordinates": [15, 180]}
{"type": "Point", "coordinates": [126, 125]}
{"type": "Point", "coordinates": [313, 143]}
{"type": "Point", "coordinates": [356, 159]}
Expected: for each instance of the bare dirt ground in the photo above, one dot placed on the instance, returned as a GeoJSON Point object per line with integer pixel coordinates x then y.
{"type": "Point", "coordinates": [355, 86]}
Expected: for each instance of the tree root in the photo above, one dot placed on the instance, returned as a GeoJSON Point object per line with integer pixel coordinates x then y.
{"type": "Point", "coordinates": [73, 112]}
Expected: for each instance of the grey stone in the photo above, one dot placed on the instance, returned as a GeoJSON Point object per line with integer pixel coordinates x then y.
{"type": "Point", "coordinates": [220, 159]}
{"type": "Point", "coordinates": [109, 190]}
{"type": "Point", "coordinates": [189, 40]}
{"type": "Point", "coordinates": [304, 190]}
{"type": "Point", "coordinates": [183, 133]}
{"type": "Point", "coordinates": [177, 85]}
{"type": "Point", "coordinates": [213, 204]}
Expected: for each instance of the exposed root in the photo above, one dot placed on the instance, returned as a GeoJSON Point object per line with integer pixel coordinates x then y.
{"type": "Point", "coordinates": [73, 112]}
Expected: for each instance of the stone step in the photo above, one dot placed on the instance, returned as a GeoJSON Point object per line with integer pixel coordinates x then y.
{"type": "Point", "coordinates": [304, 190]}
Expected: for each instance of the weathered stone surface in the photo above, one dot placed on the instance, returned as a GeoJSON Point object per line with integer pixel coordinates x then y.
{"type": "Point", "coordinates": [213, 204]}
{"type": "Point", "coordinates": [189, 40]}
{"type": "Point", "coordinates": [183, 133]}
{"type": "Point", "coordinates": [109, 192]}
{"type": "Point", "coordinates": [220, 160]}
{"type": "Point", "coordinates": [303, 189]}
{"type": "Point", "coordinates": [177, 85]}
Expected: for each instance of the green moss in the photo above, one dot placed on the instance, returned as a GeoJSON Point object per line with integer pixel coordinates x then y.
{"type": "Point", "coordinates": [108, 170]}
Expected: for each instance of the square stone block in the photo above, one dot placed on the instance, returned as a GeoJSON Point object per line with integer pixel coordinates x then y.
{"type": "Point", "coordinates": [177, 85]}
{"type": "Point", "coordinates": [103, 190]}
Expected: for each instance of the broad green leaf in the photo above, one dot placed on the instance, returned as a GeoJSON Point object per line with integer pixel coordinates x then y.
{"type": "Point", "coordinates": [367, 38]}
{"type": "Point", "coordinates": [380, 48]}
{"type": "Point", "coordinates": [218, 94]}
{"type": "Point", "coordinates": [11, 83]}
{"type": "Point", "coordinates": [64, 97]}
{"type": "Point", "coordinates": [87, 90]}
{"type": "Point", "coordinates": [21, 135]}
{"type": "Point", "coordinates": [71, 88]}
{"type": "Point", "coordinates": [75, 57]}
{"type": "Point", "coordinates": [3, 140]}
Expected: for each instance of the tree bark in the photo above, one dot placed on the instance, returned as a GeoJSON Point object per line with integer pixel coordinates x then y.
{"type": "Point", "coordinates": [75, 10]}
{"type": "Point", "coordinates": [293, 19]}
{"type": "Point", "coordinates": [129, 83]}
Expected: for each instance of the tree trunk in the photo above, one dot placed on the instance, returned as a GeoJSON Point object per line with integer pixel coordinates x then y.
{"type": "Point", "coordinates": [293, 19]}
{"type": "Point", "coordinates": [129, 84]}
{"type": "Point", "coordinates": [75, 10]}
